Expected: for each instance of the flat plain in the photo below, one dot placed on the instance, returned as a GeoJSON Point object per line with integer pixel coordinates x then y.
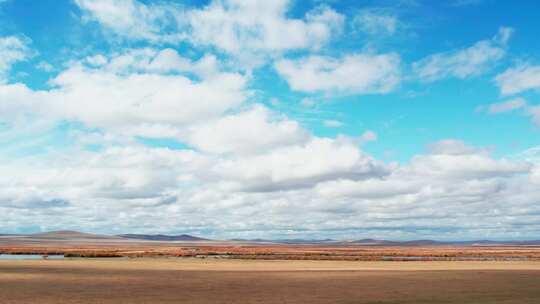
{"type": "Point", "coordinates": [112, 269]}
{"type": "Point", "coordinates": [193, 280]}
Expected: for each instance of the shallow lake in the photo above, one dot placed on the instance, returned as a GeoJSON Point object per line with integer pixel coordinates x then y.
{"type": "Point", "coordinates": [29, 257]}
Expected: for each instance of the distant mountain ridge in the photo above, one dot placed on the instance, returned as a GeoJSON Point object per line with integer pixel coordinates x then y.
{"type": "Point", "coordinates": [162, 237]}
{"type": "Point", "coordinates": [376, 242]}
{"type": "Point", "coordinates": [70, 235]}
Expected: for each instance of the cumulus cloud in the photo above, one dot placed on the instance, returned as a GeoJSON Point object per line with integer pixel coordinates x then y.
{"type": "Point", "coordinates": [374, 22]}
{"type": "Point", "coordinates": [229, 25]}
{"type": "Point", "coordinates": [368, 136]}
{"type": "Point", "coordinates": [302, 165]}
{"type": "Point", "coordinates": [507, 106]}
{"type": "Point", "coordinates": [247, 171]}
{"type": "Point", "coordinates": [515, 104]}
{"type": "Point", "coordinates": [322, 186]}
{"type": "Point", "coordinates": [447, 186]}
{"type": "Point", "coordinates": [463, 165]}
{"type": "Point", "coordinates": [132, 19]}
{"type": "Point", "coordinates": [234, 25]}
{"type": "Point", "coordinates": [351, 74]}
{"type": "Point", "coordinates": [451, 147]}
{"type": "Point", "coordinates": [366, 189]}
{"type": "Point", "coordinates": [139, 93]}
{"type": "Point", "coordinates": [254, 130]}
{"type": "Point", "coordinates": [535, 176]}
{"type": "Point", "coordinates": [45, 66]}
{"type": "Point", "coordinates": [115, 173]}
{"type": "Point", "coordinates": [12, 49]}
{"type": "Point", "coordinates": [534, 112]}
{"type": "Point", "coordinates": [519, 79]}
{"type": "Point", "coordinates": [464, 63]}
{"type": "Point", "coordinates": [331, 123]}
{"type": "Point", "coordinates": [242, 169]}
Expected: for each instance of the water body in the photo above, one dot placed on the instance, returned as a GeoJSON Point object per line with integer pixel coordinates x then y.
{"type": "Point", "coordinates": [29, 257]}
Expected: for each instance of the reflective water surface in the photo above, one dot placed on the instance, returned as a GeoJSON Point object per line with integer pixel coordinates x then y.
{"type": "Point", "coordinates": [29, 257]}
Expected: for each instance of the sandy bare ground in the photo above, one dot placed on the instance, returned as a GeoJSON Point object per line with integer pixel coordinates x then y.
{"type": "Point", "coordinates": [235, 281]}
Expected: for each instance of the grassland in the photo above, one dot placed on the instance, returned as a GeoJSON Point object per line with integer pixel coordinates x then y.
{"type": "Point", "coordinates": [251, 251]}
{"type": "Point", "coordinates": [75, 244]}
{"type": "Point", "coordinates": [285, 252]}
{"type": "Point", "coordinates": [264, 272]}
{"type": "Point", "coordinates": [197, 281]}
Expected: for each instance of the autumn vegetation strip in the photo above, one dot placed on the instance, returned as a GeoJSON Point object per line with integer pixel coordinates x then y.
{"type": "Point", "coordinates": [291, 252]}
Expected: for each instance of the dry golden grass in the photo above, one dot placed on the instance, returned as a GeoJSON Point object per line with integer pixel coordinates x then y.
{"type": "Point", "coordinates": [199, 281]}
{"type": "Point", "coordinates": [276, 251]}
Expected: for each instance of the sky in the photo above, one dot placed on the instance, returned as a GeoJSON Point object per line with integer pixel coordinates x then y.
{"type": "Point", "coordinates": [393, 119]}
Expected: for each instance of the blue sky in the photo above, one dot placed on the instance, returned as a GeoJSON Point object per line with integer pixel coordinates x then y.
{"type": "Point", "coordinates": [227, 118]}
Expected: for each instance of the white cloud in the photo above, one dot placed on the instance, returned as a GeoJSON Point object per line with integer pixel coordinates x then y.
{"type": "Point", "coordinates": [247, 171]}
{"type": "Point", "coordinates": [368, 136]}
{"type": "Point", "coordinates": [519, 79]}
{"type": "Point", "coordinates": [464, 63]}
{"type": "Point", "coordinates": [331, 123]}
{"type": "Point", "coordinates": [12, 50]}
{"type": "Point", "coordinates": [301, 165]}
{"type": "Point", "coordinates": [132, 19]}
{"type": "Point", "coordinates": [374, 22]}
{"type": "Point", "coordinates": [144, 93]}
{"type": "Point", "coordinates": [254, 130]}
{"type": "Point", "coordinates": [535, 176]}
{"type": "Point", "coordinates": [365, 189]}
{"type": "Point", "coordinates": [45, 66]}
{"type": "Point", "coordinates": [507, 106]}
{"type": "Point", "coordinates": [128, 173]}
{"type": "Point", "coordinates": [96, 60]}
{"type": "Point", "coordinates": [464, 163]}
{"type": "Point", "coordinates": [515, 104]}
{"type": "Point", "coordinates": [323, 187]}
{"type": "Point", "coordinates": [352, 74]}
{"type": "Point", "coordinates": [534, 112]}
{"type": "Point", "coordinates": [453, 147]}
{"type": "Point", "coordinates": [236, 26]}
{"type": "Point", "coordinates": [166, 61]}
{"type": "Point", "coordinates": [230, 25]}
{"type": "Point", "coordinates": [307, 102]}
{"type": "Point", "coordinates": [531, 155]}
{"type": "Point", "coordinates": [504, 35]}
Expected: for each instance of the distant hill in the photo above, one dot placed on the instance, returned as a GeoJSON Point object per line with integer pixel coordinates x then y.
{"type": "Point", "coordinates": [488, 242]}
{"type": "Point", "coordinates": [162, 237]}
{"type": "Point", "coordinates": [75, 235]}
{"type": "Point", "coordinates": [290, 241]}
{"type": "Point", "coordinates": [376, 242]}
{"type": "Point", "coordinates": [441, 243]}
{"type": "Point", "coordinates": [68, 234]}
{"type": "Point", "coordinates": [373, 242]}
{"type": "Point", "coordinates": [422, 243]}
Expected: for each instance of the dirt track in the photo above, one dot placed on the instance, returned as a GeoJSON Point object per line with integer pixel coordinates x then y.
{"type": "Point", "coordinates": [224, 281]}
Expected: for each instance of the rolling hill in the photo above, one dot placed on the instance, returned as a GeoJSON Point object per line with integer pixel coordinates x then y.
{"type": "Point", "coordinates": [162, 237]}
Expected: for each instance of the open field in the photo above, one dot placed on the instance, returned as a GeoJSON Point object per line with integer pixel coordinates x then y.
{"type": "Point", "coordinates": [287, 252]}
{"type": "Point", "coordinates": [206, 271]}
{"type": "Point", "coordinates": [86, 245]}
{"type": "Point", "coordinates": [174, 280]}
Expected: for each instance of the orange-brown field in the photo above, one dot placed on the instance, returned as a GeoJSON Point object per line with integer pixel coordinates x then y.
{"type": "Point", "coordinates": [151, 280]}
{"type": "Point", "coordinates": [81, 245]}
{"type": "Point", "coordinates": [263, 272]}
{"type": "Point", "coordinates": [282, 252]}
